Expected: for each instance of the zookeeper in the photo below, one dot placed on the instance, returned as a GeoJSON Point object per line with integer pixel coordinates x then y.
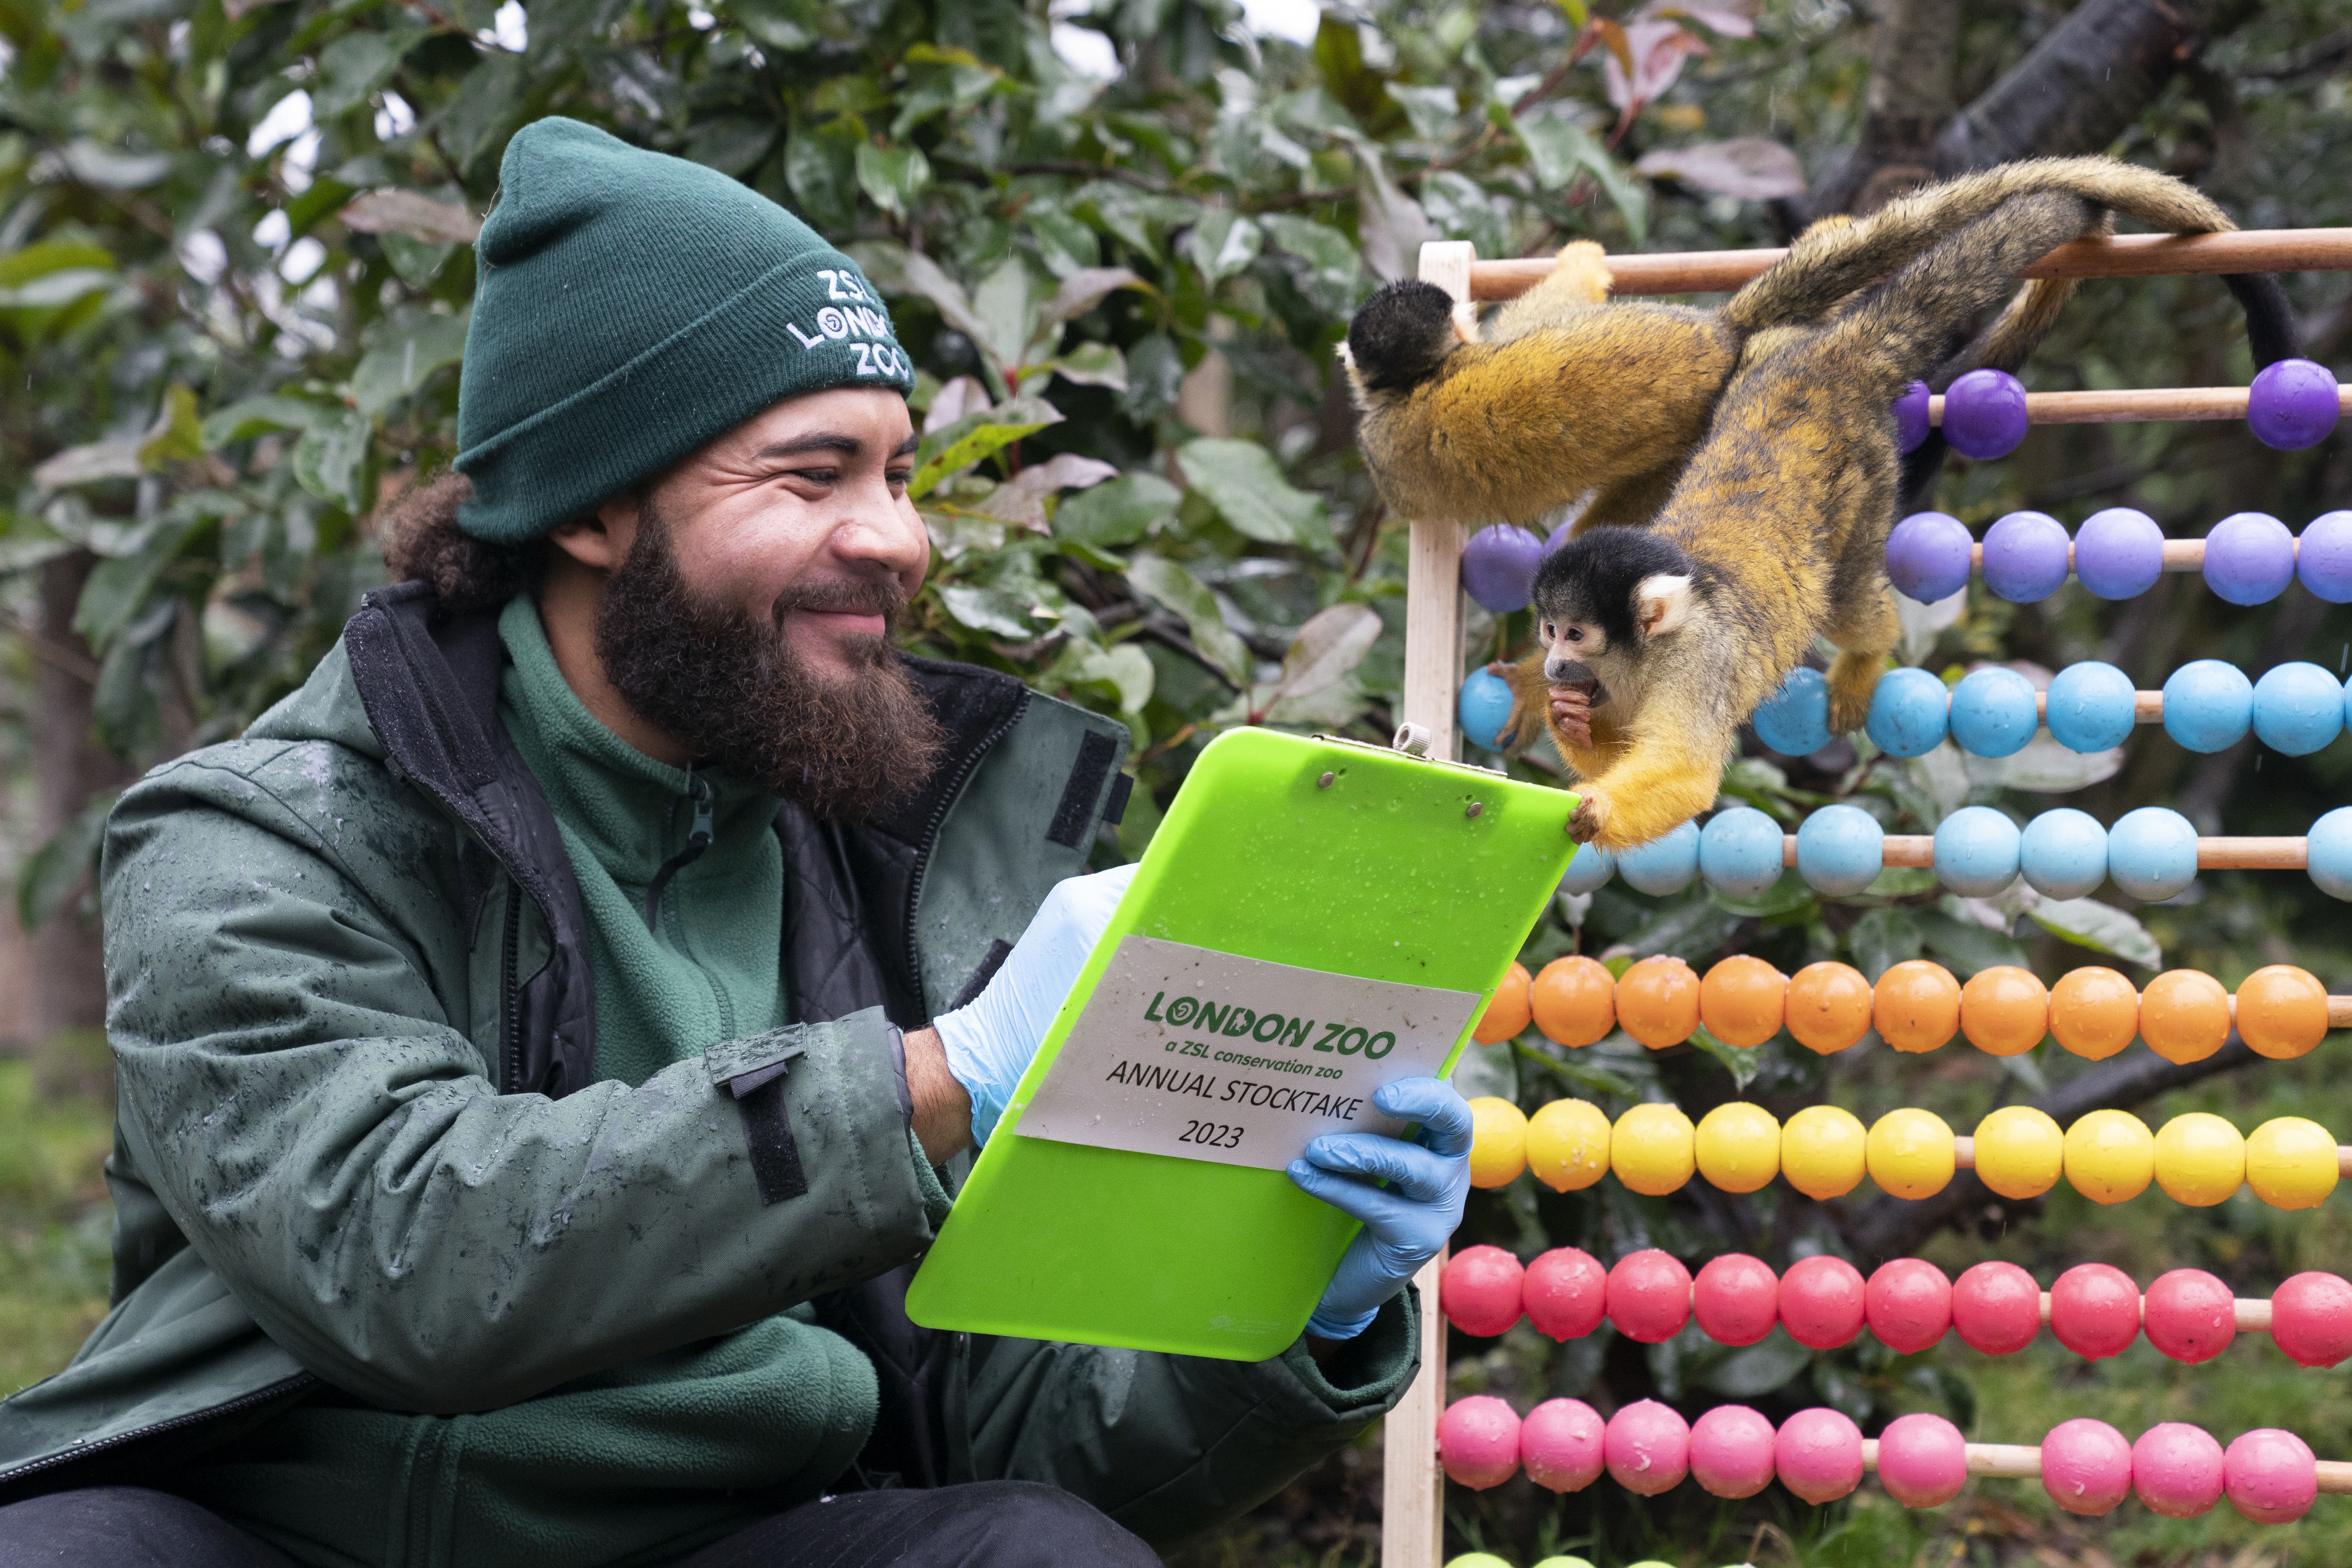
{"type": "Point", "coordinates": [519, 1159]}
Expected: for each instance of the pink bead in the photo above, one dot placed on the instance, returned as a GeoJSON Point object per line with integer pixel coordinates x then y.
{"type": "Point", "coordinates": [2311, 1319]}
{"type": "Point", "coordinates": [1478, 1291]}
{"type": "Point", "coordinates": [1736, 1300]}
{"type": "Point", "coordinates": [1821, 1302]}
{"type": "Point", "coordinates": [2177, 1470]}
{"type": "Point", "coordinates": [2190, 1316]}
{"type": "Point", "coordinates": [2086, 1466]}
{"type": "Point", "coordinates": [1997, 1307]}
{"type": "Point", "coordinates": [1649, 1297]}
{"type": "Point", "coordinates": [1559, 1444]}
{"type": "Point", "coordinates": [1731, 1451]}
{"type": "Point", "coordinates": [2270, 1477]}
{"type": "Point", "coordinates": [1819, 1455]}
{"type": "Point", "coordinates": [2094, 1311]}
{"type": "Point", "coordinates": [1478, 1441]}
{"type": "Point", "coordinates": [1908, 1303]}
{"type": "Point", "coordinates": [1565, 1293]}
{"type": "Point", "coordinates": [1647, 1448]}
{"type": "Point", "coordinates": [1922, 1460]}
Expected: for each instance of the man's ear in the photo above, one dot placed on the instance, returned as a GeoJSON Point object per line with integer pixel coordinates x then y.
{"type": "Point", "coordinates": [601, 540]}
{"type": "Point", "coordinates": [1662, 604]}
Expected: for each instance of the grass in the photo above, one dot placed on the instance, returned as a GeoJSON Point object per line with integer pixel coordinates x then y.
{"type": "Point", "coordinates": [56, 1126]}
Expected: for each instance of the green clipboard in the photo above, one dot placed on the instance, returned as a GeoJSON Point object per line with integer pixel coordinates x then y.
{"type": "Point", "coordinates": [1318, 854]}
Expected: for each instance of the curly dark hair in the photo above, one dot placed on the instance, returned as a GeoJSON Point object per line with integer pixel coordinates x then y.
{"type": "Point", "coordinates": [421, 538]}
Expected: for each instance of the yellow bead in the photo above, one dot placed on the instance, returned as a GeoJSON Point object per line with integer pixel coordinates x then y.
{"type": "Point", "coordinates": [1738, 1147]}
{"type": "Point", "coordinates": [1498, 1141]}
{"type": "Point", "coordinates": [1823, 1151]}
{"type": "Point", "coordinates": [2201, 1159]}
{"type": "Point", "coordinates": [1652, 1150]}
{"type": "Point", "coordinates": [2110, 1156]}
{"type": "Point", "coordinates": [2290, 1163]}
{"type": "Point", "coordinates": [1910, 1153]}
{"type": "Point", "coordinates": [2019, 1152]}
{"type": "Point", "coordinates": [1567, 1144]}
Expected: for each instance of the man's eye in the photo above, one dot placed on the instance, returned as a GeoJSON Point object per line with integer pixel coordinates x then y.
{"type": "Point", "coordinates": [898, 477]}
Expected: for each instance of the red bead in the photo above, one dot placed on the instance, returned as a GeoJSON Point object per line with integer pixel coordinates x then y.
{"type": "Point", "coordinates": [2270, 1477]}
{"type": "Point", "coordinates": [1731, 1451]}
{"type": "Point", "coordinates": [2189, 1315]}
{"type": "Point", "coordinates": [1565, 1293]}
{"type": "Point", "coordinates": [1908, 1303]}
{"type": "Point", "coordinates": [2086, 1466]}
{"type": "Point", "coordinates": [1821, 1302]}
{"type": "Point", "coordinates": [2094, 1311]}
{"type": "Point", "coordinates": [2311, 1319]}
{"type": "Point", "coordinates": [1478, 1441]}
{"type": "Point", "coordinates": [1649, 1297]}
{"type": "Point", "coordinates": [1736, 1300]}
{"type": "Point", "coordinates": [1479, 1290]}
{"type": "Point", "coordinates": [1647, 1448]}
{"type": "Point", "coordinates": [1997, 1307]}
{"type": "Point", "coordinates": [1559, 1444]}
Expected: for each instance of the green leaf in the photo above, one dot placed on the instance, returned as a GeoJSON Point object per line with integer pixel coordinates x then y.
{"type": "Point", "coordinates": [1325, 651]}
{"type": "Point", "coordinates": [1127, 669]}
{"type": "Point", "coordinates": [975, 435]}
{"type": "Point", "coordinates": [356, 67]}
{"type": "Point", "coordinates": [1244, 482]}
{"type": "Point", "coordinates": [1119, 511]}
{"type": "Point", "coordinates": [21, 266]}
{"type": "Point", "coordinates": [1159, 578]}
{"type": "Point", "coordinates": [1333, 277]}
{"type": "Point", "coordinates": [331, 459]}
{"type": "Point", "coordinates": [1691, 931]}
{"type": "Point", "coordinates": [119, 590]}
{"type": "Point", "coordinates": [1434, 111]}
{"type": "Point", "coordinates": [732, 144]}
{"type": "Point", "coordinates": [1741, 1064]}
{"type": "Point", "coordinates": [1882, 938]}
{"type": "Point", "coordinates": [988, 610]}
{"type": "Point", "coordinates": [1965, 945]}
{"type": "Point", "coordinates": [892, 177]}
{"type": "Point", "coordinates": [1092, 364]}
{"type": "Point", "coordinates": [2102, 927]}
{"type": "Point", "coordinates": [53, 872]}
{"type": "Point", "coordinates": [1557, 148]}
{"type": "Point", "coordinates": [251, 416]}
{"type": "Point", "coordinates": [402, 354]}
{"type": "Point", "coordinates": [1222, 243]}
{"type": "Point", "coordinates": [1756, 1370]}
{"type": "Point", "coordinates": [177, 435]}
{"type": "Point", "coordinates": [820, 167]}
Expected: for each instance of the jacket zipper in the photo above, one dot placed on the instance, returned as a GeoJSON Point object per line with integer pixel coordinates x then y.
{"type": "Point", "coordinates": [82, 1450]}
{"type": "Point", "coordinates": [511, 992]}
{"type": "Point", "coordinates": [965, 767]}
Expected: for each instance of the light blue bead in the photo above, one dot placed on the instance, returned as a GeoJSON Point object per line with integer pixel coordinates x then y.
{"type": "Point", "coordinates": [1992, 712]}
{"type": "Point", "coordinates": [1667, 864]}
{"type": "Point", "coordinates": [2152, 853]}
{"type": "Point", "coordinates": [1795, 720]}
{"type": "Point", "coordinates": [1485, 709]}
{"type": "Point", "coordinates": [2298, 707]}
{"type": "Point", "coordinates": [1909, 713]}
{"type": "Point", "coordinates": [2207, 705]}
{"type": "Point", "coordinates": [1840, 849]}
{"type": "Point", "coordinates": [1976, 851]}
{"type": "Point", "coordinates": [1592, 868]}
{"type": "Point", "coordinates": [2064, 854]}
{"type": "Point", "coordinates": [2091, 707]}
{"type": "Point", "coordinates": [1739, 853]}
{"type": "Point", "coordinates": [2328, 852]}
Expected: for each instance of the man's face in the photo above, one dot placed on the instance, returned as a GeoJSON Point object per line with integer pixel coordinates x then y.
{"type": "Point", "coordinates": [800, 514]}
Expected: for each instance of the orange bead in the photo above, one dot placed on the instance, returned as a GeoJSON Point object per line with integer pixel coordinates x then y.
{"type": "Point", "coordinates": [1916, 1005]}
{"type": "Point", "coordinates": [1827, 1006]}
{"type": "Point", "coordinates": [1507, 1013]}
{"type": "Point", "coordinates": [2094, 1012]}
{"type": "Point", "coordinates": [1575, 1001]}
{"type": "Point", "coordinates": [2282, 1011]}
{"type": "Point", "coordinates": [2004, 1010]}
{"type": "Point", "coordinates": [1657, 1002]}
{"type": "Point", "coordinates": [2184, 1015]}
{"type": "Point", "coordinates": [1741, 1001]}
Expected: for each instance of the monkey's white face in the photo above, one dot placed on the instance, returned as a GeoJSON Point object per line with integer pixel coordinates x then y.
{"type": "Point", "coordinates": [1588, 670]}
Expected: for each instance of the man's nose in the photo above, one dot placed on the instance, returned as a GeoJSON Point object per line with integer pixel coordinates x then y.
{"type": "Point", "coordinates": [883, 529]}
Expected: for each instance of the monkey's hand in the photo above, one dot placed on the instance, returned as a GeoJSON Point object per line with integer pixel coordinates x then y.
{"type": "Point", "coordinates": [1529, 700]}
{"type": "Point", "coordinates": [1571, 714]}
{"type": "Point", "coordinates": [1591, 817]}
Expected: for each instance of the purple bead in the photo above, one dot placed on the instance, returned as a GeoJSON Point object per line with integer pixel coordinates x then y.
{"type": "Point", "coordinates": [2118, 553]}
{"type": "Point", "coordinates": [1927, 556]}
{"type": "Point", "coordinates": [2291, 404]}
{"type": "Point", "coordinates": [2323, 557]}
{"type": "Point", "coordinates": [2025, 556]}
{"type": "Point", "coordinates": [1498, 566]}
{"type": "Point", "coordinates": [1911, 417]}
{"type": "Point", "coordinates": [2248, 558]}
{"type": "Point", "coordinates": [1558, 537]}
{"type": "Point", "coordinates": [1984, 414]}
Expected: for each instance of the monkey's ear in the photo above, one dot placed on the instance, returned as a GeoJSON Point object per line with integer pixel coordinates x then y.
{"type": "Point", "coordinates": [1466, 321]}
{"type": "Point", "coordinates": [1662, 604]}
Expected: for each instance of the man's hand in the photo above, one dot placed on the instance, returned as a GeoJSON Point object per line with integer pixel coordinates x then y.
{"type": "Point", "coordinates": [1407, 1222]}
{"type": "Point", "coordinates": [987, 1045]}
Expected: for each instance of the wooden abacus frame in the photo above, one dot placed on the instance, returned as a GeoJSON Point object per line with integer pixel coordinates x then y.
{"type": "Point", "coordinates": [1412, 1485]}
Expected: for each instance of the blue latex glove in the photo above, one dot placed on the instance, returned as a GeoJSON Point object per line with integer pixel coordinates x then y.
{"type": "Point", "coordinates": [1407, 1222]}
{"type": "Point", "coordinates": [990, 1041]}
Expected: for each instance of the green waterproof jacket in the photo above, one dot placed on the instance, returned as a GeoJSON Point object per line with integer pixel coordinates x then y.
{"type": "Point", "coordinates": [360, 1155]}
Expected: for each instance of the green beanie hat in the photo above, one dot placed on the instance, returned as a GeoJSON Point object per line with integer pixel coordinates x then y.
{"type": "Point", "coordinates": [630, 309]}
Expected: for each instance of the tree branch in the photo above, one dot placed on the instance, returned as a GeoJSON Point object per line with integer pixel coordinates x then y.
{"type": "Point", "coordinates": [1913, 59]}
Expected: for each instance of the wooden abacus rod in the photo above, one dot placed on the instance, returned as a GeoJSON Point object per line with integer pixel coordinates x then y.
{"type": "Point", "coordinates": [2135, 404]}
{"type": "Point", "coordinates": [2252, 1315]}
{"type": "Point", "coordinates": [2124, 255]}
{"type": "Point", "coordinates": [2022, 1462]}
{"type": "Point", "coordinates": [2179, 555]}
{"type": "Point", "coordinates": [2213, 854]}
{"type": "Point", "coordinates": [1964, 1157]}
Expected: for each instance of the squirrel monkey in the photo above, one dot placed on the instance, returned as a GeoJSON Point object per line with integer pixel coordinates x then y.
{"type": "Point", "coordinates": [1659, 642]}
{"type": "Point", "coordinates": [1566, 395]}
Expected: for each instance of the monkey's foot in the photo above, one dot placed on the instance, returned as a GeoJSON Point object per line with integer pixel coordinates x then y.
{"type": "Point", "coordinates": [1591, 817]}
{"type": "Point", "coordinates": [1853, 678]}
{"type": "Point", "coordinates": [1583, 264]}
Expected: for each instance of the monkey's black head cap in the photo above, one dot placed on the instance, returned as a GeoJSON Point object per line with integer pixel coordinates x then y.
{"type": "Point", "coordinates": [1401, 335]}
{"type": "Point", "coordinates": [1593, 576]}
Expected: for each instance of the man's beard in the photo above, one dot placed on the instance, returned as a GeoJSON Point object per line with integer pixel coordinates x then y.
{"type": "Point", "coordinates": [726, 682]}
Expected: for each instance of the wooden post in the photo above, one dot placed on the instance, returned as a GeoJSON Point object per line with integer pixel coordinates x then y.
{"type": "Point", "coordinates": [1412, 1489]}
